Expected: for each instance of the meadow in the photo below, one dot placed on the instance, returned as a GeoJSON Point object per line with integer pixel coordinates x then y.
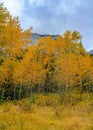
{"type": "Point", "coordinates": [47, 112]}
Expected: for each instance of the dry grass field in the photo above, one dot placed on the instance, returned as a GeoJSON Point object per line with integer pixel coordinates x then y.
{"type": "Point", "coordinates": [46, 113]}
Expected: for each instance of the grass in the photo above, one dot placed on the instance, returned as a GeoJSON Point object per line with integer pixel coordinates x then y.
{"type": "Point", "coordinates": [45, 112]}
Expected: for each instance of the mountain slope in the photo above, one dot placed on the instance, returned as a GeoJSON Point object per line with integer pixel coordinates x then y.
{"type": "Point", "coordinates": [90, 52]}
{"type": "Point", "coordinates": [36, 36]}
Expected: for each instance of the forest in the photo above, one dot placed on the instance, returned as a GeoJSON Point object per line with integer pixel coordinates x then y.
{"type": "Point", "coordinates": [47, 73]}
{"type": "Point", "coordinates": [48, 66]}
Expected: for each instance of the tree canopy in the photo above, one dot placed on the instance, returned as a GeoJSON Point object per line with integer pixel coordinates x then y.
{"type": "Point", "coordinates": [47, 66]}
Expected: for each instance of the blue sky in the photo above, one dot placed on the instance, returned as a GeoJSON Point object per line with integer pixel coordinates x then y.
{"type": "Point", "coordinates": [55, 16]}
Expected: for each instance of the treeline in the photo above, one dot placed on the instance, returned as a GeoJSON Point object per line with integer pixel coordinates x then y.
{"type": "Point", "coordinates": [48, 66]}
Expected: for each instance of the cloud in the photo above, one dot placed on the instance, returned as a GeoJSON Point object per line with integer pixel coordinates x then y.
{"type": "Point", "coordinates": [55, 16]}
{"type": "Point", "coordinates": [68, 7]}
{"type": "Point", "coordinates": [16, 7]}
{"type": "Point", "coordinates": [37, 2]}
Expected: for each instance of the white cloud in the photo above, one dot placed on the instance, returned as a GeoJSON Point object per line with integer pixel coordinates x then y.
{"type": "Point", "coordinates": [38, 2]}
{"type": "Point", "coordinates": [55, 16]}
{"type": "Point", "coordinates": [68, 7]}
{"type": "Point", "coordinates": [15, 7]}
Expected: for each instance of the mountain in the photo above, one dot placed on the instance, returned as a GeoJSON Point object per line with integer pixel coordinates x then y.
{"type": "Point", "coordinates": [35, 37]}
{"type": "Point", "coordinates": [90, 52]}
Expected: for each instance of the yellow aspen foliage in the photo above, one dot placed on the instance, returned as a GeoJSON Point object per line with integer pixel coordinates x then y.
{"type": "Point", "coordinates": [49, 65]}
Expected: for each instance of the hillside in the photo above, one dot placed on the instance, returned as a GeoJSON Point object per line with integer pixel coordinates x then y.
{"type": "Point", "coordinates": [90, 52]}
{"type": "Point", "coordinates": [35, 37]}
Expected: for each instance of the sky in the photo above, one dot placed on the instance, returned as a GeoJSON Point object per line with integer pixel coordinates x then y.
{"type": "Point", "coordinates": [55, 16]}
